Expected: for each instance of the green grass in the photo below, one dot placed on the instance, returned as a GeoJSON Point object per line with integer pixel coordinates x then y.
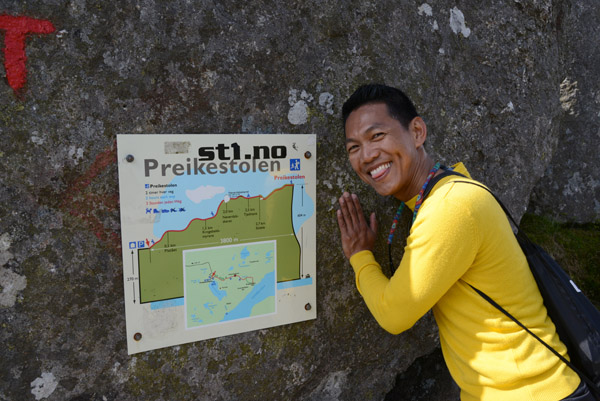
{"type": "Point", "coordinates": [576, 247]}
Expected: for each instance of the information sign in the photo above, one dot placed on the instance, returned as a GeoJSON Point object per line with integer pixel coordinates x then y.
{"type": "Point", "coordinates": [218, 234]}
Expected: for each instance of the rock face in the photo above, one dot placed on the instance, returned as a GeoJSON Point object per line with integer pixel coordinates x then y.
{"type": "Point", "coordinates": [570, 187]}
{"type": "Point", "coordinates": [494, 83]}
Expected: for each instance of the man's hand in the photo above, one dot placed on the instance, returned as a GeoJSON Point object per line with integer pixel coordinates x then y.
{"type": "Point", "coordinates": [357, 235]}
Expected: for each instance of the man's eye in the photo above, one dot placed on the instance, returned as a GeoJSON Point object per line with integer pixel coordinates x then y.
{"type": "Point", "coordinates": [352, 148]}
{"type": "Point", "coordinates": [378, 135]}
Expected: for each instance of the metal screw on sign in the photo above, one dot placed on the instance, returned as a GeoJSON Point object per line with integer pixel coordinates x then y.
{"type": "Point", "coordinates": [307, 307]}
{"type": "Point", "coordinates": [137, 336]}
{"type": "Point", "coordinates": [307, 154]}
{"type": "Point", "coordinates": [129, 158]}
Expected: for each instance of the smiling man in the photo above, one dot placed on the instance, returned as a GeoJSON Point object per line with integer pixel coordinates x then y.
{"type": "Point", "coordinates": [459, 237]}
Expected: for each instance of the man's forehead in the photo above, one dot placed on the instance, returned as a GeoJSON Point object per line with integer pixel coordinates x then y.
{"type": "Point", "coordinates": [372, 127]}
{"type": "Point", "coordinates": [365, 120]}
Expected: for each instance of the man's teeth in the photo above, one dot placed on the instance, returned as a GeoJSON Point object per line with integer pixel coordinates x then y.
{"type": "Point", "coordinates": [380, 169]}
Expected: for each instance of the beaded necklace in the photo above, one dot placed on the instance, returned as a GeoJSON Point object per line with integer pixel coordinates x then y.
{"type": "Point", "coordinates": [418, 203]}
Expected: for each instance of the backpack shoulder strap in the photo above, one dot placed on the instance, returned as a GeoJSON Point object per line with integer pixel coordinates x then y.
{"type": "Point", "coordinates": [447, 173]}
{"type": "Point", "coordinates": [437, 179]}
{"type": "Point", "coordinates": [582, 375]}
{"type": "Point", "coordinates": [504, 208]}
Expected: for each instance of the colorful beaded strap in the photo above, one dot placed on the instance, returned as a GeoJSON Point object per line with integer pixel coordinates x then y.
{"type": "Point", "coordinates": [418, 203]}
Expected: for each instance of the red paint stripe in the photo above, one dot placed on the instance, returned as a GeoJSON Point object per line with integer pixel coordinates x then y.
{"type": "Point", "coordinates": [82, 205]}
{"type": "Point", "coordinates": [102, 161]}
{"type": "Point", "coordinates": [14, 45]}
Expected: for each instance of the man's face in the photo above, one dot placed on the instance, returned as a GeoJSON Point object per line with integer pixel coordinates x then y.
{"type": "Point", "coordinates": [383, 153]}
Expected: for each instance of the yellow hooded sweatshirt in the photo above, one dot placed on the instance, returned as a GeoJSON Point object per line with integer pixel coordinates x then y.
{"type": "Point", "coordinates": [461, 235]}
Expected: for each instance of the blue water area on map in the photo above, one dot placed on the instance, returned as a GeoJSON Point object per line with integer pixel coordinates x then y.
{"type": "Point", "coordinates": [303, 206]}
{"type": "Point", "coordinates": [195, 317]}
{"type": "Point", "coordinates": [214, 288]}
{"type": "Point", "coordinates": [294, 283]}
{"type": "Point", "coordinates": [210, 306]}
{"type": "Point", "coordinates": [261, 291]}
{"type": "Point", "coordinates": [239, 184]}
{"type": "Point", "coordinates": [169, 303]}
{"type": "Point", "coordinates": [245, 253]}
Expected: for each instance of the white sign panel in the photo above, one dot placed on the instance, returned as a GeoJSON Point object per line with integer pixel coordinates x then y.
{"type": "Point", "coordinates": [218, 234]}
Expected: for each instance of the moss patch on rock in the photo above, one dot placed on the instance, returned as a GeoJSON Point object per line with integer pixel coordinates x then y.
{"type": "Point", "coordinates": [576, 247]}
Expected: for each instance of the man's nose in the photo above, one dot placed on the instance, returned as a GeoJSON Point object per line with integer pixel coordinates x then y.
{"type": "Point", "coordinates": [370, 153]}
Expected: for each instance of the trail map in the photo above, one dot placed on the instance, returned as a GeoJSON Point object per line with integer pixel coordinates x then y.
{"type": "Point", "coordinates": [241, 277]}
{"type": "Point", "coordinates": [218, 234]}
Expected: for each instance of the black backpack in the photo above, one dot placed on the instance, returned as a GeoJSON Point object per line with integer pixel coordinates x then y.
{"type": "Point", "coordinates": [576, 319]}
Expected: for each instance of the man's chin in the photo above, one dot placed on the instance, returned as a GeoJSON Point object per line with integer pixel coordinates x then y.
{"type": "Point", "coordinates": [380, 188]}
{"type": "Point", "coordinates": [382, 191]}
{"type": "Point", "coordinates": [386, 191]}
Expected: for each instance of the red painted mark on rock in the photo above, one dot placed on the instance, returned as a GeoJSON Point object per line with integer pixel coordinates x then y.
{"type": "Point", "coordinates": [14, 45]}
{"type": "Point", "coordinates": [83, 205]}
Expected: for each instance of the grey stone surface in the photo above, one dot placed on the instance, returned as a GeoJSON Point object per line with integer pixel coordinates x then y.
{"type": "Point", "coordinates": [427, 379]}
{"type": "Point", "coordinates": [570, 187]}
{"type": "Point", "coordinates": [486, 78]}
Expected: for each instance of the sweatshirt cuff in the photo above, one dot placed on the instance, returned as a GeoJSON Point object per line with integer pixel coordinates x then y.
{"type": "Point", "coordinates": [361, 259]}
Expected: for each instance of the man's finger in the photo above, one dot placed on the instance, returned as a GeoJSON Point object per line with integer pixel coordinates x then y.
{"type": "Point", "coordinates": [359, 213]}
{"type": "Point", "coordinates": [373, 223]}
{"type": "Point", "coordinates": [344, 216]}
{"type": "Point", "coordinates": [341, 223]}
{"type": "Point", "coordinates": [348, 210]}
{"type": "Point", "coordinates": [358, 219]}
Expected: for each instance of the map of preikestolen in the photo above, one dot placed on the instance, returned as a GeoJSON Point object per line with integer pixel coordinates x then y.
{"type": "Point", "coordinates": [218, 234]}
{"type": "Point", "coordinates": [240, 277]}
{"type": "Point", "coordinates": [241, 219]}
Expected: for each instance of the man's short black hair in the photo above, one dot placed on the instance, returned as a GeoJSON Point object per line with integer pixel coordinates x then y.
{"type": "Point", "coordinates": [399, 105]}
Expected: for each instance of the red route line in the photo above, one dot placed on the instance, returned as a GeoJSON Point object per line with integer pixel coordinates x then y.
{"type": "Point", "coordinates": [230, 277]}
{"type": "Point", "coordinates": [241, 196]}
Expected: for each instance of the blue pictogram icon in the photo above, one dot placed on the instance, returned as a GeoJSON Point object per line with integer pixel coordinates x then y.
{"type": "Point", "coordinates": [147, 186]}
{"type": "Point", "coordinates": [141, 244]}
{"type": "Point", "coordinates": [132, 245]}
{"type": "Point", "coordinates": [294, 164]}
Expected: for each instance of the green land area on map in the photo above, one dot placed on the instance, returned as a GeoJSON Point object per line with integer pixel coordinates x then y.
{"type": "Point", "coordinates": [229, 282]}
{"type": "Point", "coordinates": [241, 220]}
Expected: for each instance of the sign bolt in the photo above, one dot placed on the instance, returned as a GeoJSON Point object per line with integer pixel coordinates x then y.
{"type": "Point", "coordinates": [307, 154]}
{"type": "Point", "coordinates": [137, 336]}
{"type": "Point", "coordinates": [308, 306]}
{"type": "Point", "coordinates": [129, 158]}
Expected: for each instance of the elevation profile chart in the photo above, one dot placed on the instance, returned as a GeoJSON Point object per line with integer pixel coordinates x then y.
{"type": "Point", "coordinates": [218, 235]}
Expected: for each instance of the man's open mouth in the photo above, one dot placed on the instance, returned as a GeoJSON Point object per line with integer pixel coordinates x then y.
{"type": "Point", "coordinates": [380, 170]}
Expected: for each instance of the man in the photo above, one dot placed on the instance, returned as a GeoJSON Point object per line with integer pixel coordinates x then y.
{"type": "Point", "coordinates": [459, 237]}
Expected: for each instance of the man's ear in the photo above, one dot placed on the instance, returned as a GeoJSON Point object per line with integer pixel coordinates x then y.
{"type": "Point", "coordinates": [418, 129]}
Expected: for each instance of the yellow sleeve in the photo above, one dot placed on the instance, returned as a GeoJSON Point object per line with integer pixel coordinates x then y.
{"type": "Point", "coordinates": [442, 245]}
